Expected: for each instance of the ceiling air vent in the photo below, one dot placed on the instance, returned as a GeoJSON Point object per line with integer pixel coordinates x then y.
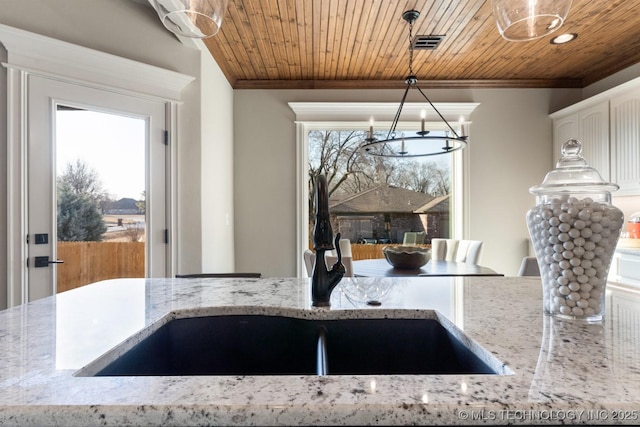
{"type": "Point", "coordinates": [429, 42]}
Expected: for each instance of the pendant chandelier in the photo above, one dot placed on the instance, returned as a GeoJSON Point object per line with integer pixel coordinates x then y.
{"type": "Point", "coordinates": [423, 143]}
{"type": "Point", "coordinates": [522, 20]}
{"type": "Point", "coordinates": [197, 19]}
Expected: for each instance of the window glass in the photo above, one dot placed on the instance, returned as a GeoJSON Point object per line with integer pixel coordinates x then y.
{"type": "Point", "coordinates": [378, 200]}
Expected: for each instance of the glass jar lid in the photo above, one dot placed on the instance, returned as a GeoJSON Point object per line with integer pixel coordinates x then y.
{"type": "Point", "coordinates": [572, 174]}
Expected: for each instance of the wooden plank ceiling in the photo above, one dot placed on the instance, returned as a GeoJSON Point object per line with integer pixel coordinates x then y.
{"type": "Point", "coordinates": [364, 44]}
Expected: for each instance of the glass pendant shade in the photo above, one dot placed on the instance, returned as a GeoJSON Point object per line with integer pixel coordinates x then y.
{"type": "Point", "coordinates": [198, 19]}
{"type": "Point", "coordinates": [521, 20]}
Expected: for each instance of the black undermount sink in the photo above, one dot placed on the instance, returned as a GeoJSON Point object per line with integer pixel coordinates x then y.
{"type": "Point", "coordinates": [278, 345]}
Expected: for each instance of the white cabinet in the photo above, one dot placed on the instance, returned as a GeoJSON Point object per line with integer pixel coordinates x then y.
{"type": "Point", "coordinates": [589, 124]}
{"type": "Point", "coordinates": [608, 124]}
{"type": "Point", "coordinates": [625, 142]}
{"type": "Point", "coordinates": [625, 267]}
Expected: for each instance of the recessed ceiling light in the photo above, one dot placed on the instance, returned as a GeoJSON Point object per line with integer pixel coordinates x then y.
{"type": "Point", "coordinates": [564, 38]}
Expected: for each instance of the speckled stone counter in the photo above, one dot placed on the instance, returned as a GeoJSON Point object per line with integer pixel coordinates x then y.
{"type": "Point", "coordinates": [561, 372]}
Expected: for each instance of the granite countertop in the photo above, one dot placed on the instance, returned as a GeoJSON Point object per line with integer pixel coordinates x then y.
{"type": "Point", "coordinates": [562, 372]}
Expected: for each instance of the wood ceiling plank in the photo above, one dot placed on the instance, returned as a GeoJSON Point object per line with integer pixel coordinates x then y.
{"type": "Point", "coordinates": [448, 58]}
{"type": "Point", "coordinates": [366, 35]}
{"type": "Point", "coordinates": [347, 36]}
{"type": "Point", "coordinates": [304, 20]}
{"type": "Point", "coordinates": [303, 41]}
{"type": "Point", "coordinates": [380, 51]}
{"type": "Point", "coordinates": [228, 44]}
{"type": "Point", "coordinates": [277, 38]}
{"type": "Point", "coordinates": [336, 20]}
{"type": "Point", "coordinates": [290, 37]}
{"type": "Point", "coordinates": [256, 30]}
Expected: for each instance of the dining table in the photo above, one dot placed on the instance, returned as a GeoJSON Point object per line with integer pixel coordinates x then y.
{"type": "Point", "coordinates": [380, 267]}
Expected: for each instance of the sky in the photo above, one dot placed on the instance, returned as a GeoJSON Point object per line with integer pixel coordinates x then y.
{"type": "Point", "coordinates": [112, 145]}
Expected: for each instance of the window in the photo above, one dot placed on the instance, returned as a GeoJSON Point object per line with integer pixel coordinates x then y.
{"type": "Point", "coordinates": [378, 200]}
{"type": "Point", "coordinates": [355, 116]}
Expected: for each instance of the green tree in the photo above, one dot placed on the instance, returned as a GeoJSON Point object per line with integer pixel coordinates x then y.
{"type": "Point", "coordinates": [79, 197]}
{"type": "Point", "coordinates": [142, 203]}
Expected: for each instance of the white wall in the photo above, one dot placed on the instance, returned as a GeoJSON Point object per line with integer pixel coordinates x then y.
{"type": "Point", "coordinates": [204, 148]}
{"type": "Point", "coordinates": [3, 185]}
{"type": "Point", "coordinates": [612, 81]}
{"type": "Point", "coordinates": [510, 150]}
{"type": "Point", "coordinates": [217, 170]}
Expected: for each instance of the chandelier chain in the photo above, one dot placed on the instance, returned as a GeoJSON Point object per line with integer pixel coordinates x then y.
{"type": "Point", "coordinates": [411, 48]}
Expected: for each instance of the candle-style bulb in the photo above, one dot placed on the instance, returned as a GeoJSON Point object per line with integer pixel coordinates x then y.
{"type": "Point", "coordinates": [423, 117]}
{"type": "Point", "coordinates": [371, 128]}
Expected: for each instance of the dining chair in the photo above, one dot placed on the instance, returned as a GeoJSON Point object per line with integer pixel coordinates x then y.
{"type": "Point", "coordinates": [444, 249]}
{"type": "Point", "coordinates": [413, 238]}
{"type": "Point", "coordinates": [347, 261]}
{"type": "Point", "coordinates": [220, 275]}
{"type": "Point", "coordinates": [345, 247]}
{"type": "Point", "coordinates": [469, 251]}
{"type": "Point", "coordinates": [529, 267]}
{"type": "Point", "coordinates": [310, 259]}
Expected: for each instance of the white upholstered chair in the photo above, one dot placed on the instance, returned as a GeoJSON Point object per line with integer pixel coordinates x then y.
{"type": "Point", "coordinates": [469, 251]}
{"type": "Point", "coordinates": [444, 249]}
{"type": "Point", "coordinates": [347, 261]}
{"type": "Point", "coordinates": [529, 267]}
{"type": "Point", "coordinates": [310, 259]}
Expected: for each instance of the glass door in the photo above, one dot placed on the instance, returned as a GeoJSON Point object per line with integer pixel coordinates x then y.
{"type": "Point", "coordinates": [96, 187]}
{"type": "Point", "coordinates": [100, 207]}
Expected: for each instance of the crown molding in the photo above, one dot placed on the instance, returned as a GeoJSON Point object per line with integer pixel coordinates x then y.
{"type": "Point", "coordinates": [363, 111]}
{"type": "Point", "coordinates": [42, 55]}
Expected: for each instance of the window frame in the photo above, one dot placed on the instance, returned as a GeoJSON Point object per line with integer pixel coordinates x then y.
{"type": "Point", "coordinates": [349, 116]}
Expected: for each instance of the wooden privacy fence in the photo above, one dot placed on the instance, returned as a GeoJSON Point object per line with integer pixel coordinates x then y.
{"type": "Point", "coordinates": [88, 262]}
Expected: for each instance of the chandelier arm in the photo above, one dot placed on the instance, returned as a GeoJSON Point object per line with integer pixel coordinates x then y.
{"type": "Point", "coordinates": [396, 118]}
{"type": "Point", "coordinates": [438, 112]}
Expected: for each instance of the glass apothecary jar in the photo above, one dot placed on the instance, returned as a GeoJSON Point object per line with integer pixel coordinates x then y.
{"type": "Point", "coordinates": [574, 229]}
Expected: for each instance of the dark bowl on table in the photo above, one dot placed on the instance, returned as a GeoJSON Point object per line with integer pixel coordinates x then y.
{"type": "Point", "coordinates": [407, 257]}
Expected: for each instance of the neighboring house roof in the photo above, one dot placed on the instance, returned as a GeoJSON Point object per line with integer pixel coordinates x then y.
{"type": "Point", "coordinates": [437, 205]}
{"type": "Point", "coordinates": [383, 198]}
{"type": "Point", "coordinates": [124, 203]}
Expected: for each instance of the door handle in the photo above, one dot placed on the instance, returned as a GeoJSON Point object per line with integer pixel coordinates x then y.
{"type": "Point", "coordinates": [43, 261]}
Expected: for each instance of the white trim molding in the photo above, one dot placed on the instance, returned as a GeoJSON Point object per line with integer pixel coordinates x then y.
{"type": "Point", "coordinates": [38, 54]}
{"type": "Point", "coordinates": [380, 111]}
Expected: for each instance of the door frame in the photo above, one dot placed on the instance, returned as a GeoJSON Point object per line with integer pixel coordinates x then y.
{"type": "Point", "coordinates": [33, 54]}
{"type": "Point", "coordinates": [44, 96]}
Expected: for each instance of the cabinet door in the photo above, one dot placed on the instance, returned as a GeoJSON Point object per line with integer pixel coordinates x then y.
{"type": "Point", "coordinates": [625, 142]}
{"type": "Point", "coordinates": [564, 128]}
{"type": "Point", "coordinates": [593, 132]}
{"type": "Point", "coordinates": [591, 126]}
